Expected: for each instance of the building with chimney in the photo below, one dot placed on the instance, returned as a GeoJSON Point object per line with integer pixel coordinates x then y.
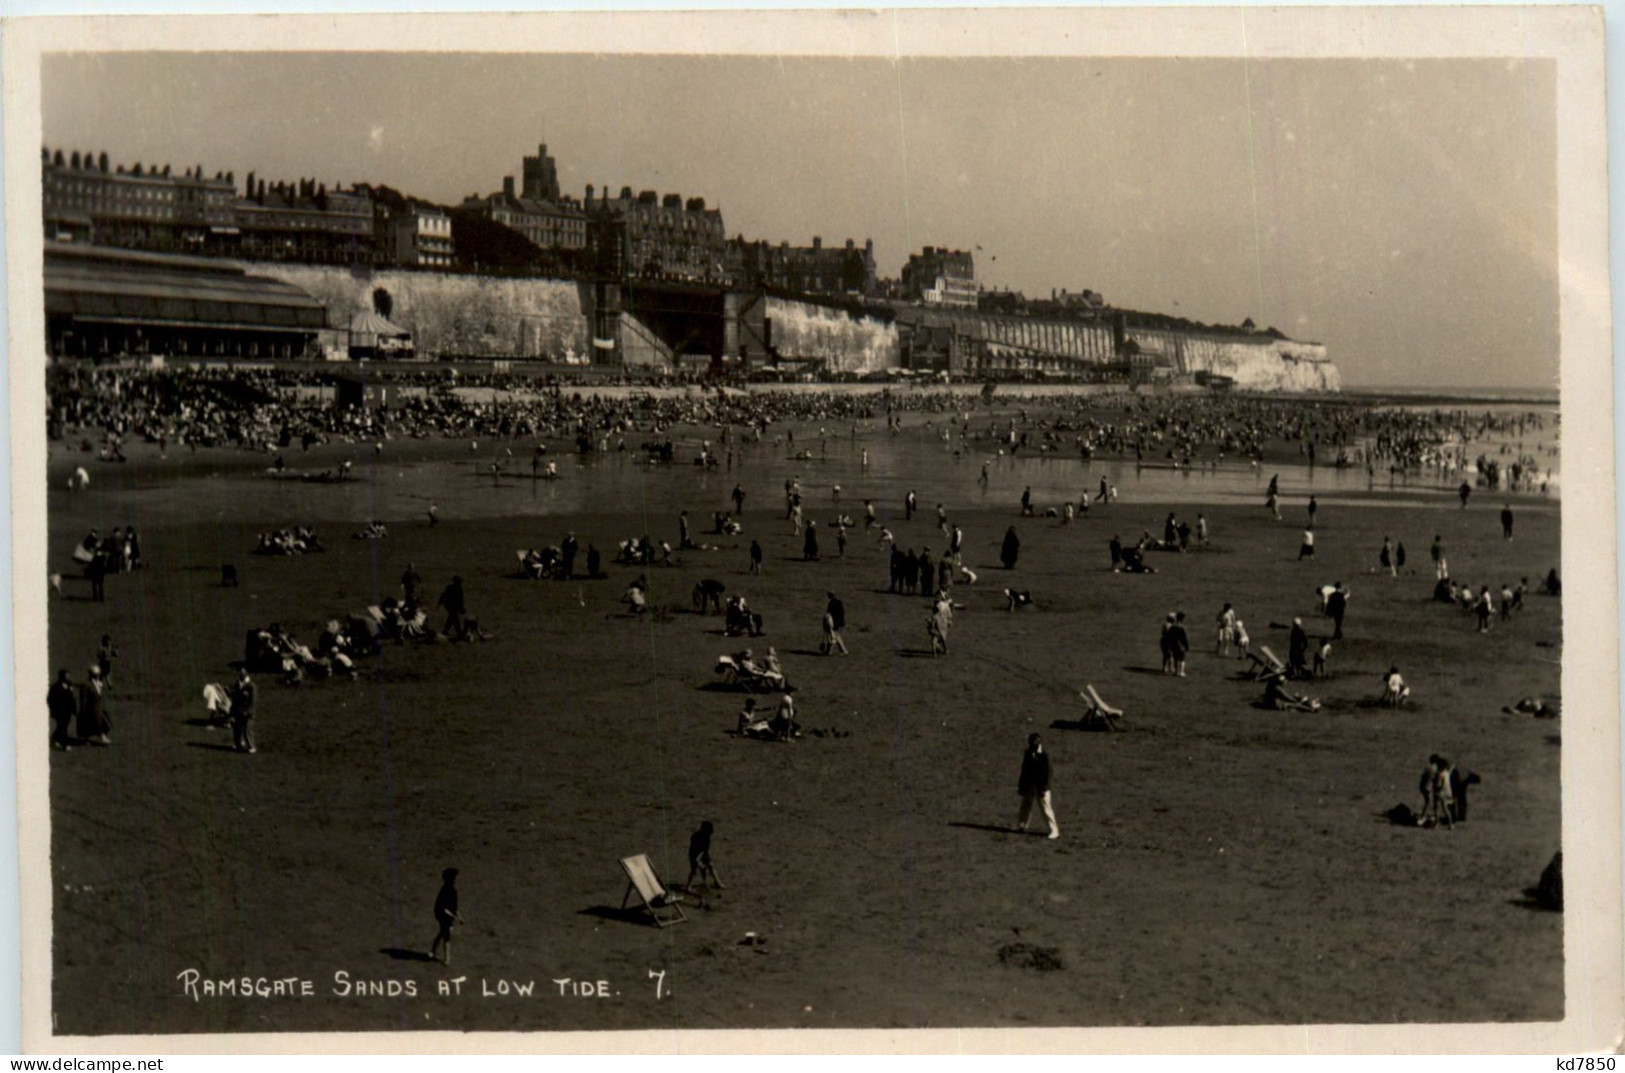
{"type": "Point", "coordinates": [940, 277]}
{"type": "Point", "coordinates": [656, 238]}
{"type": "Point", "coordinates": [834, 271]}
{"type": "Point", "coordinates": [305, 221]}
{"type": "Point", "coordinates": [87, 200]}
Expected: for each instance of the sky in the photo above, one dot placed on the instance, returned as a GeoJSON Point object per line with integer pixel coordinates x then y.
{"type": "Point", "coordinates": [1402, 212]}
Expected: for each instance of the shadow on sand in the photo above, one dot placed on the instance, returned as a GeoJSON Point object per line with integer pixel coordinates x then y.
{"type": "Point", "coordinates": [629, 915]}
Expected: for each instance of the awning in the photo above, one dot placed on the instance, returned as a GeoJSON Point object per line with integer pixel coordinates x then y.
{"type": "Point", "coordinates": [89, 288]}
{"type": "Point", "coordinates": [366, 322]}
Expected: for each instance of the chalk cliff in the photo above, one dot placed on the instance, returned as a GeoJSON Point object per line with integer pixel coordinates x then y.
{"type": "Point", "coordinates": [842, 341]}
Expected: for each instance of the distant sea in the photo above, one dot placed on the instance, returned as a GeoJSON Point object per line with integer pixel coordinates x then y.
{"type": "Point", "coordinates": [1539, 395]}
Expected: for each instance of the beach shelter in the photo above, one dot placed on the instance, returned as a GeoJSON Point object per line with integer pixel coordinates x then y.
{"type": "Point", "coordinates": [372, 336]}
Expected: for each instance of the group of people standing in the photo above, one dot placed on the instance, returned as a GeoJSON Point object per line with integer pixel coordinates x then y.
{"type": "Point", "coordinates": [117, 553]}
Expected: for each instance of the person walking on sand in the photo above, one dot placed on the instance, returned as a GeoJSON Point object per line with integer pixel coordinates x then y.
{"type": "Point", "coordinates": [242, 713]}
{"type": "Point", "coordinates": [1307, 549]}
{"type": "Point", "coordinates": [1011, 549]}
{"type": "Point", "coordinates": [1297, 652]}
{"type": "Point", "coordinates": [834, 623]}
{"type": "Point", "coordinates": [739, 500]}
{"type": "Point", "coordinates": [755, 557]}
{"type": "Point", "coordinates": [1179, 643]}
{"type": "Point", "coordinates": [1227, 630]}
{"type": "Point", "coordinates": [105, 657]}
{"type": "Point", "coordinates": [1484, 607]}
{"type": "Point", "coordinates": [1506, 522]}
{"type": "Point", "coordinates": [699, 860]}
{"type": "Point", "coordinates": [1386, 557]}
{"type": "Point", "coordinates": [445, 916]}
{"type": "Point", "coordinates": [94, 725]}
{"type": "Point", "coordinates": [1465, 491]}
{"type": "Point", "coordinates": [63, 703]}
{"type": "Point", "coordinates": [1034, 786]}
{"type": "Point", "coordinates": [410, 580]}
{"type": "Point", "coordinates": [1336, 606]}
{"type": "Point", "coordinates": [1027, 501]}
{"type": "Point", "coordinates": [1313, 507]}
{"type": "Point", "coordinates": [936, 627]}
{"type": "Point", "coordinates": [456, 608]}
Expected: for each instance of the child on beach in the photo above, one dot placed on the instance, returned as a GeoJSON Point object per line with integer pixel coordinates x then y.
{"type": "Point", "coordinates": [445, 915]}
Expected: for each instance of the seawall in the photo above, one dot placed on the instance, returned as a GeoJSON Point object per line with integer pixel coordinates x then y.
{"type": "Point", "coordinates": [497, 317]}
{"type": "Point", "coordinates": [485, 316]}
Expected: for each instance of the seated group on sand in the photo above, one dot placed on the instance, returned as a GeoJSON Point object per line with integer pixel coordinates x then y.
{"type": "Point", "coordinates": [755, 723]}
{"type": "Point", "coordinates": [300, 541]}
{"type": "Point", "coordinates": [274, 649]}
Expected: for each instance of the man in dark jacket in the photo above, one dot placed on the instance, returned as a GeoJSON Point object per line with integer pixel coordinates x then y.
{"type": "Point", "coordinates": [452, 600]}
{"type": "Point", "coordinates": [1460, 779]}
{"type": "Point", "coordinates": [410, 580]}
{"type": "Point", "coordinates": [1297, 658]}
{"type": "Point", "coordinates": [1034, 786]}
{"type": "Point", "coordinates": [63, 702]}
{"type": "Point", "coordinates": [837, 611]}
{"type": "Point", "coordinates": [242, 713]}
{"type": "Point", "coordinates": [567, 552]}
{"type": "Point", "coordinates": [1336, 605]}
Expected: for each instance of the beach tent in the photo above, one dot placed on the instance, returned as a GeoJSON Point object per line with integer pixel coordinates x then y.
{"type": "Point", "coordinates": [371, 336]}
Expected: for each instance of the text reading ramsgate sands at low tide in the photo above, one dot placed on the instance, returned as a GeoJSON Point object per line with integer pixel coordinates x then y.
{"type": "Point", "coordinates": [197, 987]}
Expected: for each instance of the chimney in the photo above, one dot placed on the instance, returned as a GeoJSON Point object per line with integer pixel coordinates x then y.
{"type": "Point", "coordinates": [818, 243]}
{"type": "Point", "coordinates": [507, 186]}
{"type": "Point", "coordinates": [869, 245]}
{"type": "Point", "coordinates": [849, 246]}
{"type": "Point", "coordinates": [589, 193]}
